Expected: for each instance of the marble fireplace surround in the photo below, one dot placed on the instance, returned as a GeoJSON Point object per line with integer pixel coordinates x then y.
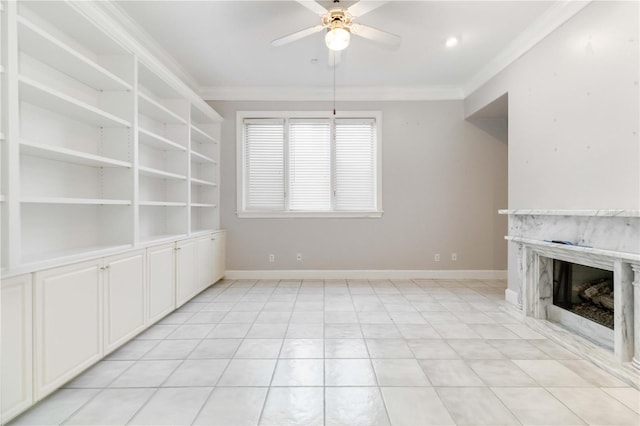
{"type": "Point", "coordinates": [607, 239]}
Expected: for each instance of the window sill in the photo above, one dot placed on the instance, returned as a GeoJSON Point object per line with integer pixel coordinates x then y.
{"type": "Point", "coordinates": [304, 215]}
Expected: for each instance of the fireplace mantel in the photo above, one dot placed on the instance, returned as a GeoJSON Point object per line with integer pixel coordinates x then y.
{"type": "Point", "coordinates": [550, 212]}
{"type": "Point", "coordinates": [587, 254]}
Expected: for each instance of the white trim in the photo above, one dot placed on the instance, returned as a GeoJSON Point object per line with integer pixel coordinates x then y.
{"type": "Point", "coordinates": [365, 274]}
{"type": "Point", "coordinates": [511, 296]}
{"type": "Point", "coordinates": [364, 93]}
{"type": "Point", "coordinates": [548, 22]}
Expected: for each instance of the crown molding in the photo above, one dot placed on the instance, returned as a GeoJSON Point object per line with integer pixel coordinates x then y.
{"type": "Point", "coordinates": [143, 42]}
{"type": "Point", "coordinates": [548, 22]}
{"type": "Point", "coordinates": [355, 93]}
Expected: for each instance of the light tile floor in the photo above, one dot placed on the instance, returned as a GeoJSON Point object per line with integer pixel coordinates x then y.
{"type": "Point", "coordinates": [336, 352]}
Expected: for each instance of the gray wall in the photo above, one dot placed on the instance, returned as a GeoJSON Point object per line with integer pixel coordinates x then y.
{"type": "Point", "coordinates": [574, 116]}
{"type": "Point", "coordinates": [443, 182]}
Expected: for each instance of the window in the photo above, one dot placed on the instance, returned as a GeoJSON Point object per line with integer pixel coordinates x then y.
{"type": "Point", "coordinates": [308, 164]}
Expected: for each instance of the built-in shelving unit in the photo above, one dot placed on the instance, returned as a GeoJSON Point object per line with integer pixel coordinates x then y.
{"type": "Point", "coordinates": [76, 114]}
{"type": "Point", "coordinates": [205, 174]}
{"type": "Point", "coordinates": [108, 193]}
{"type": "Point", "coordinates": [103, 148]}
{"type": "Point", "coordinates": [163, 146]}
{"type": "Point", "coordinates": [4, 176]}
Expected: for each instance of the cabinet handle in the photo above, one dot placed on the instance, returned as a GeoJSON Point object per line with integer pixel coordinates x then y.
{"type": "Point", "coordinates": [178, 248]}
{"type": "Point", "coordinates": [105, 267]}
{"type": "Point", "coordinates": [213, 239]}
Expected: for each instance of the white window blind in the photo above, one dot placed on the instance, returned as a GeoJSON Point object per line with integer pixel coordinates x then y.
{"type": "Point", "coordinates": [309, 165]}
{"type": "Point", "coordinates": [264, 164]}
{"type": "Point", "coordinates": [355, 169]}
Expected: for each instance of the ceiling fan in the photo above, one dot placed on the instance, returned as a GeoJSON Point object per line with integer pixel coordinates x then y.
{"type": "Point", "coordinates": [339, 24]}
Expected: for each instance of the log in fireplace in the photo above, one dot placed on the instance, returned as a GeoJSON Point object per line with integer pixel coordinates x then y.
{"type": "Point", "coordinates": [585, 291]}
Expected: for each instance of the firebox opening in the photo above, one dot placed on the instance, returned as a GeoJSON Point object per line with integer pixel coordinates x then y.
{"type": "Point", "coordinates": [584, 290]}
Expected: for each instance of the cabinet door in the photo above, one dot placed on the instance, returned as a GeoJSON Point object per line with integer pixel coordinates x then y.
{"type": "Point", "coordinates": [186, 275]}
{"type": "Point", "coordinates": [204, 263]}
{"type": "Point", "coordinates": [17, 349]}
{"type": "Point", "coordinates": [219, 256]}
{"type": "Point", "coordinates": [124, 293]}
{"type": "Point", "coordinates": [161, 283]}
{"type": "Point", "coordinates": [68, 323]}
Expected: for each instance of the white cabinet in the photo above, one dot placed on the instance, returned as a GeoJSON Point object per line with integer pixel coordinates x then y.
{"type": "Point", "coordinates": [17, 346]}
{"type": "Point", "coordinates": [204, 262]}
{"type": "Point", "coordinates": [219, 255]}
{"type": "Point", "coordinates": [210, 263]}
{"type": "Point", "coordinates": [124, 298]}
{"type": "Point", "coordinates": [161, 270]}
{"type": "Point", "coordinates": [186, 273]}
{"type": "Point", "coordinates": [60, 321]}
{"type": "Point", "coordinates": [68, 323]}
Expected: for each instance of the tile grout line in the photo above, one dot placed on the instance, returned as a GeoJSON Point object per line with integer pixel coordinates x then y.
{"type": "Point", "coordinates": [157, 388]}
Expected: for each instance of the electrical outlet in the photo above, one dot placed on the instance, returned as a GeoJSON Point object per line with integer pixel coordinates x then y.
{"type": "Point", "coordinates": [299, 257]}
{"type": "Point", "coordinates": [436, 257]}
{"type": "Point", "coordinates": [272, 258]}
{"type": "Point", "coordinates": [454, 257]}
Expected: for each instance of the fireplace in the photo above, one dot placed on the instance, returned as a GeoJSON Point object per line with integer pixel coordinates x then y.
{"type": "Point", "coordinates": [585, 291]}
{"type": "Point", "coordinates": [574, 275]}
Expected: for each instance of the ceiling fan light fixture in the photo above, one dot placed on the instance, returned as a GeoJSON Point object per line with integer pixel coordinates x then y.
{"type": "Point", "coordinates": [337, 38]}
{"type": "Point", "coordinates": [452, 42]}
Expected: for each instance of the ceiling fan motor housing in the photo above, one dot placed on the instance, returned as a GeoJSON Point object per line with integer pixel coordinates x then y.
{"type": "Point", "coordinates": [337, 18]}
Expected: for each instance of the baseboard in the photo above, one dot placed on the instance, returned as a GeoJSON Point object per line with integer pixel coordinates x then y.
{"type": "Point", "coordinates": [511, 296]}
{"type": "Point", "coordinates": [325, 274]}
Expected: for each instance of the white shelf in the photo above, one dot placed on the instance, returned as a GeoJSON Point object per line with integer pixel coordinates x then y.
{"type": "Point", "coordinates": [43, 96]}
{"type": "Point", "coordinates": [203, 205]}
{"type": "Point", "coordinates": [202, 182]}
{"type": "Point", "coordinates": [39, 44]}
{"type": "Point", "coordinates": [200, 135]}
{"type": "Point", "coordinates": [148, 171]}
{"type": "Point", "coordinates": [77, 201]}
{"type": "Point", "coordinates": [158, 142]}
{"type": "Point", "coordinates": [201, 158]}
{"type": "Point", "coordinates": [69, 155]}
{"type": "Point", "coordinates": [162, 204]}
{"type": "Point", "coordinates": [157, 111]}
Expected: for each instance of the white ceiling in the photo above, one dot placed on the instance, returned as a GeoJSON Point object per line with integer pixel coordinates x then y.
{"type": "Point", "coordinates": [226, 44]}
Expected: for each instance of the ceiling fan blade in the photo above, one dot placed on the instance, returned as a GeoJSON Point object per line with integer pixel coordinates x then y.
{"type": "Point", "coordinates": [377, 35]}
{"type": "Point", "coordinates": [365, 6]}
{"type": "Point", "coordinates": [296, 36]}
{"type": "Point", "coordinates": [313, 6]}
{"type": "Point", "coordinates": [335, 56]}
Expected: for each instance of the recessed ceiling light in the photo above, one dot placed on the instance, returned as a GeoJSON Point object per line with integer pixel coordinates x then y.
{"type": "Point", "coordinates": [452, 42]}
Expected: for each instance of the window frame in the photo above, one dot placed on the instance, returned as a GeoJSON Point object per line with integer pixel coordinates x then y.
{"type": "Point", "coordinates": [240, 163]}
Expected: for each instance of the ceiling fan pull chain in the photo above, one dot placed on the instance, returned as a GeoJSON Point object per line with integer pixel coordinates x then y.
{"type": "Point", "coordinates": [334, 84]}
